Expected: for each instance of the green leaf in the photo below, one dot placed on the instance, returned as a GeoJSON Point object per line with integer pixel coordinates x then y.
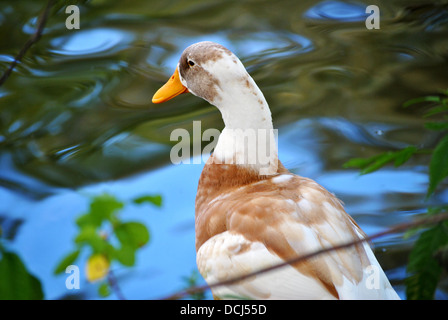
{"type": "Point", "coordinates": [436, 125]}
{"type": "Point", "coordinates": [88, 235]}
{"type": "Point", "coordinates": [441, 104]}
{"type": "Point", "coordinates": [155, 200]}
{"type": "Point", "coordinates": [104, 290]}
{"type": "Point", "coordinates": [132, 234]}
{"type": "Point", "coordinates": [423, 266]}
{"type": "Point", "coordinates": [68, 260]}
{"type": "Point", "coordinates": [379, 162]}
{"type": "Point", "coordinates": [105, 205]}
{"type": "Point", "coordinates": [16, 283]}
{"type": "Point", "coordinates": [360, 162]}
{"type": "Point", "coordinates": [402, 156]}
{"type": "Point", "coordinates": [438, 168]}
{"type": "Point", "coordinates": [88, 220]}
{"type": "Point", "coordinates": [441, 255]}
{"type": "Point", "coordinates": [102, 207]}
{"type": "Point", "coordinates": [421, 99]}
{"type": "Point", "coordinates": [436, 110]}
{"type": "Point", "coordinates": [125, 255]}
{"type": "Point", "coordinates": [376, 162]}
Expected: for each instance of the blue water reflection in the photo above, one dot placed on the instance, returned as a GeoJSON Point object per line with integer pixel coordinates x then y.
{"type": "Point", "coordinates": [94, 41]}
{"type": "Point", "coordinates": [337, 10]}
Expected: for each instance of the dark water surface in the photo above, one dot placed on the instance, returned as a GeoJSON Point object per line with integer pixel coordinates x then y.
{"type": "Point", "coordinates": [76, 118]}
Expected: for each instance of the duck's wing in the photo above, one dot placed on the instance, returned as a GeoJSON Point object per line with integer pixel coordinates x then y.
{"type": "Point", "coordinates": [281, 218]}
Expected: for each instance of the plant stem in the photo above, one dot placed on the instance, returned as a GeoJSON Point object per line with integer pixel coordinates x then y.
{"type": "Point", "coordinates": [113, 283]}
{"type": "Point", "coordinates": [32, 40]}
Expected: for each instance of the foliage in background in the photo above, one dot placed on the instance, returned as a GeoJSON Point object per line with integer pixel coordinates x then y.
{"type": "Point", "coordinates": [429, 255]}
{"type": "Point", "coordinates": [107, 238]}
{"type": "Point", "coordinates": [16, 282]}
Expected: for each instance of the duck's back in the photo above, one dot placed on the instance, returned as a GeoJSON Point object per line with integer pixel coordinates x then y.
{"type": "Point", "coordinates": [246, 222]}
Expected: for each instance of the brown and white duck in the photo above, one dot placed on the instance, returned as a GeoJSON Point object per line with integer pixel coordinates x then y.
{"type": "Point", "coordinates": [252, 214]}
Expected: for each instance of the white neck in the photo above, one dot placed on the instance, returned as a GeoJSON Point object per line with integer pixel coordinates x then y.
{"type": "Point", "coordinates": [248, 138]}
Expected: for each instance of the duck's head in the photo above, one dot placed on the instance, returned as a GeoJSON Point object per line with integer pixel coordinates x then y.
{"type": "Point", "coordinates": [212, 72]}
{"type": "Point", "coordinates": [203, 69]}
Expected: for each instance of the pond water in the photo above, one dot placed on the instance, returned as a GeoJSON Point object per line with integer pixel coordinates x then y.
{"type": "Point", "coordinates": [76, 118]}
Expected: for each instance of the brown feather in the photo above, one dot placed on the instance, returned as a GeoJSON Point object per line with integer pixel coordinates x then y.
{"type": "Point", "coordinates": [233, 198]}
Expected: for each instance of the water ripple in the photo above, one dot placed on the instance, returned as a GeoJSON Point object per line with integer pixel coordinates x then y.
{"type": "Point", "coordinates": [336, 10]}
{"type": "Point", "coordinates": [88, 42]}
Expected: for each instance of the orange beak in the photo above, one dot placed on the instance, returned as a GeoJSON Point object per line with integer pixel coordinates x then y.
{"type": "Point", "coordinates": [169, 90]}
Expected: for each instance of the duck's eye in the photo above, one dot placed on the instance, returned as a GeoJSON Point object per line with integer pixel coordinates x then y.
{"type": "Point", "coordinates": [190, 63]}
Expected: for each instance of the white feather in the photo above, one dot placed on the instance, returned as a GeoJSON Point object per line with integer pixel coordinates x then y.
{"type": "Point", "coordinates": [218, 259]}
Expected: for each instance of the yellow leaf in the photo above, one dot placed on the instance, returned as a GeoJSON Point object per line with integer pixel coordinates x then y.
{"type": "Point", "coordinates": [97, 267]}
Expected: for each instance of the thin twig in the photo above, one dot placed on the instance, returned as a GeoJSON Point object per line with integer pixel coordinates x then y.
{"type": "Point", "coordinates": [113, 284]}
{"type": "Point", "coordinates": [395, 229]}
{"type": "Point", "coordinates": [32, 40]}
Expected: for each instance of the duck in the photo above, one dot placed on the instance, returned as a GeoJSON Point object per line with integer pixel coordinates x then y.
{"type": "Point", "coordinates": [252, 213]}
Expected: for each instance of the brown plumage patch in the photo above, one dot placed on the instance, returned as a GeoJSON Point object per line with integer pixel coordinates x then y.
{"type": "Point", "coordinates": [233, 198]}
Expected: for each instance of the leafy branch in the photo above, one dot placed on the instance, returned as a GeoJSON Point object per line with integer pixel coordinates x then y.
{"type": "Point", "coordinates": [438, 167]}
{"type": "Point", "coordinates": [108, 238]}
{"type": "Point", "coordinates": [424, 266]}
